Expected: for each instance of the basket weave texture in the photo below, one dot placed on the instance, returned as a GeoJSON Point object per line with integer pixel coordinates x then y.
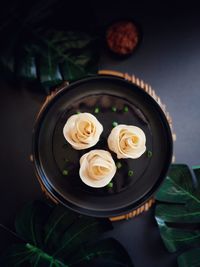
{"type": "Point", "coordinates": [147, 88]}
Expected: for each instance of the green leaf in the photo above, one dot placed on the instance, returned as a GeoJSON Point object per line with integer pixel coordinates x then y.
{"type": "Point", "coordinates": [29, 222]}
{"type": "Point", "coordinates": [51, 57]}
{"type": "Point", "coordinates": [110, 250]}
{"type": "Point", "coordinates": [59, 220]}
{"type": "Point", "coordinates": [178, 186]}
{"type": "Point", "coordinates": [29, 255]}
{"type": "Point", "coordinates": [175, 238]}
{"type": "Point", "coordinates": [25, 66]}
{"type": "Point", "coordinates": [41, 258]}
{"type": "Point", "coordinates": [71, 71]}
{"type": "Point", "coordinates": [58, 237]}
{"type": "Point", "coordinates": [82, 231]}
{"type": "Point", "coordinates": [15, 256]}
{"type": "Point", "coordinates": [196, 170]}
{"type": "Point", "coordinates": [178, 213]}
{"type": "Point", "coordinates": [190, 258]}
{"type": "Point", "coordinates": [69, 40]}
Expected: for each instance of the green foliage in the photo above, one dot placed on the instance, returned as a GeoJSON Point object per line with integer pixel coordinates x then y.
{"type": "Point", "coordinates": [52, 57]}
{"type": "Point", "coordinates": [178, 213]}
{"type": "Point", "coordinates": [58, 237]}
{"type": "Point", "coordinates": [32, 50]}
{"type": "Point", "coordinates": [190, 258]}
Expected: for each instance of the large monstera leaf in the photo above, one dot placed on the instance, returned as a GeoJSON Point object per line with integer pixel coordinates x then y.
{"type": "Point", "coordinates": [178, 213]}
{"type": "Point", "coordinates": [36, 48]}
{"type": "Point", "coordinates": [58, 237]}
{"type": "Point", "coordinates": [51, 57]}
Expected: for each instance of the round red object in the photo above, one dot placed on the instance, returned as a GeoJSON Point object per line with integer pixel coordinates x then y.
{"type": "Point", "coordinates": [122, 37]}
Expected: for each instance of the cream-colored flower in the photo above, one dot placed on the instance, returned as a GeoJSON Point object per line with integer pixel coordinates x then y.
{"type": "Point", "coordinates": [97, 168]}
{"type": "Point", "coordinates": [127, 141]}
{"type": "Point", "coordinates": [82, 130]}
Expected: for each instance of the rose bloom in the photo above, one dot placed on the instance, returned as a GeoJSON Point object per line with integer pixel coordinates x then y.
{"type": "Point", "coordinates": [127, 141]}
{"type": "Point", "coordinates": [82, 130]}
{"type": "Point", "coordinates": [97, 168]}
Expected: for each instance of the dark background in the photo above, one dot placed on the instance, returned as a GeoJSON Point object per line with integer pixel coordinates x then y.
{"type": "Point", "coordinates": [168, 59]}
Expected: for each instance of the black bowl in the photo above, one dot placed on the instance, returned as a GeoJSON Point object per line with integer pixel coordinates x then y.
{"type": "Point", "coordinates": [52, 154]}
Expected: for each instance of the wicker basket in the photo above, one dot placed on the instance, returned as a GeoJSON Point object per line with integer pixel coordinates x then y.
{"type": "Point", "coordinates": [146, 206]}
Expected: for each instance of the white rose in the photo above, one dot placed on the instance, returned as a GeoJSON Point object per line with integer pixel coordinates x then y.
{"type": "Point", "coordinates": [97, 168]}
{"type": "Point", "coordinates": [127, 141]}
{"type": "Point", "coordinates": [82, 130]}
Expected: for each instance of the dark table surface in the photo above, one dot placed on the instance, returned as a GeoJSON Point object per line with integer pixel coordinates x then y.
{"type": "Point", "coordinates": [169, 60]}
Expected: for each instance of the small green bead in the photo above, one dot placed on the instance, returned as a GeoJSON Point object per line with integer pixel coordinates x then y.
{"type": "Point", "coordinates": [130, 173]}
{"type": "Point", "coordinates": [125, 109]}
{"type": "Point", "coordinates": [110, 185]}
{"type": "Point", "coordinates": [65, 172]}
{"type": "Point", "coordinates": [118, 165]}
{"type": "Point", "coordinates": [114, 109]}
{"type": "Point", "coordinates": [96, 110]}
{"type": "Point", "coordinates": [149, 153]}
{"type": "Point", "coordinates": [114, 124]}
{"type": "Point", "coordinates": [78, 112]}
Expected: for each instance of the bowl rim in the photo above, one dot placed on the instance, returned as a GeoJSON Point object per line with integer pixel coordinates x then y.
{"type": "Point", "coordinates": [56, 196]}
